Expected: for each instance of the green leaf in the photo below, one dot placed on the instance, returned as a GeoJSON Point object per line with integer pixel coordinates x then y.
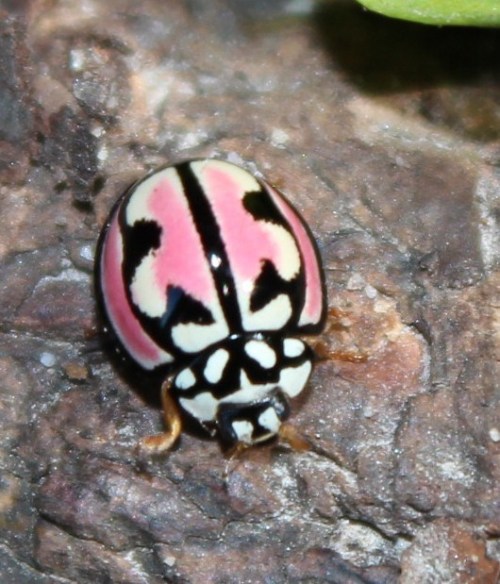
{"type": "Point", "coordinates": [458, 12]}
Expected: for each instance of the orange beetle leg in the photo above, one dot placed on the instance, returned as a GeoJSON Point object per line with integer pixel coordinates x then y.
{"type": "Point", "coordinates": [162, 442]}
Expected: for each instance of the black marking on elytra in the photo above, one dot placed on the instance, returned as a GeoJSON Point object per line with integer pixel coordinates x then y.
{"type": "Point", "coordinates": [183, 308]}
{"type": "Point", "coordinates": [138, 240]}
{"type": "Point", "coordinates": [269, 284]}
{"type": "Point", "coordinates": [213, 245]}
{"type": "Point", "coordinates": [262, 208]}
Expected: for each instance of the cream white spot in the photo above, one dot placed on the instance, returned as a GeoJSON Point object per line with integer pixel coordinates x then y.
{"type": "Point", "coordinates": [138, 204]}
{"type": "Point", "coordinates": [261, 352]}
{"type": "Point", "coordinates": [241, 177]}
{"type": "Point", "coordinates": [243, 430]}
{"type": "Point", "coordinates": [270, 421]}
{"type": "Point", "coordinates": [273, 316]}
{"type": "Point", "coordinates": [161, 267]}
{"type": "Point", "coordinates": [288, 260]}
{"type": "Point", "coordinates": [276, 313]}
{"type": "Point", "coordinates": [293, 348]}
{"type": "Point", "coordinates": [193, 338]}
{"type": "Point", "coordinates": [149, 298]}
{"type": "Point", "coordinates": [216, 363]}
{"type": "Point", "coordinates": [203, 407]}
{"type": "Point", "coordinates": [293, 379]}
{"type": "Point", "coordinates": [185, 379]}
{"type": "Point", "coordinates": [248, 392]}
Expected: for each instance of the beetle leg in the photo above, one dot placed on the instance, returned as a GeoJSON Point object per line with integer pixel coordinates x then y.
{"type": "Point", "coordinates": [291, 436]}
{"type": "Point", "coordinates": [324, 353]}
{"type": "Point", "coordinates": [335, 326]}
{"type": "Point", "coordinates": [236, 450]}
{"type": "Point", "coordinates": [162, 442]}
{"type": "Point", "coordinates": [234, 453]}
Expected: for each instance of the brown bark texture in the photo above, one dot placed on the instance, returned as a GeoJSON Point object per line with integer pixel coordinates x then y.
{"type": "Point", "coordinates": [386, 136]}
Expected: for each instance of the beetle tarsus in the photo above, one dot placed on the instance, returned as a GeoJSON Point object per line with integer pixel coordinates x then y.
{"type": "Point", "coordinates": [232, 455]}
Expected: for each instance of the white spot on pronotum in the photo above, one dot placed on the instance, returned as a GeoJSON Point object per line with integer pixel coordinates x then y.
{"type": "Point", "coordinates": [203, 407]}
{"type": "Point", "coordinates": [293, 379]}
{"type": "Point", "coordinates": [270, 421]}
{"type": "Point", "coordinates": [48, 359]}
{"type": "Point", "coordinates": [243, 431]}
{"type": "Point", "coordinates": [293, 348]}
{"type": "Point", "coordinates": [185, 379]}
{"type": "Point", "coordinates": [248, 392]}
{"type": "Point", "coordinates": [216, 363]}
{"type": "Point", "coordinates": [261, 352]}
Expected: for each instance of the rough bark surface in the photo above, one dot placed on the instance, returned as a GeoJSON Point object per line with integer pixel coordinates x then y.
{"type": "Point", "coordinates": [387, 137]}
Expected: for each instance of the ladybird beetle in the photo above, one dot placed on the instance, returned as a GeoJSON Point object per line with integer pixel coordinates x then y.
{"type": "Point", "coordinates": [209, 273]}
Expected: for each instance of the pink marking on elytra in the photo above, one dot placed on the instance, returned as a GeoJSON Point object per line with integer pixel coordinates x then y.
{"type": "Point", "coordinates": [129, 330]}
{"type": "Point", "coordinates": [313, 304]}
{"type": "Point", "coordinates": [180, 259]}
{"type": "Point", "coordinates": [248, 242]}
